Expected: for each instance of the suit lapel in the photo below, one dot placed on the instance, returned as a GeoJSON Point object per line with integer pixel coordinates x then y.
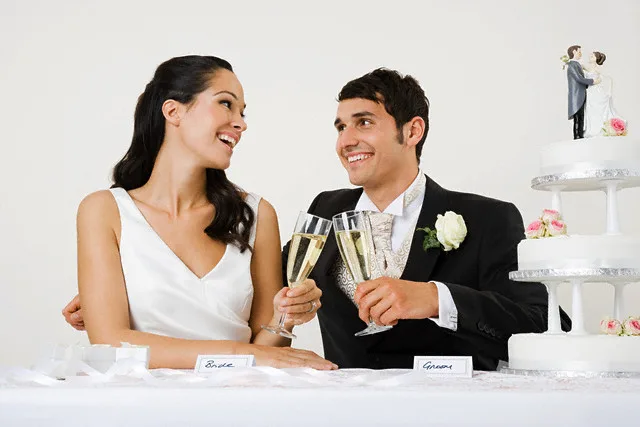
{"type": "Point", "coordinates": [420, 264]}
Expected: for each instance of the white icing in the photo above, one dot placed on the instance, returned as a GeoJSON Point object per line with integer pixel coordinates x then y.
{"type": "Point", "coordinates": [566, 352]}
{"type": "Point", "coordinates": [579, 252]}
{"type": "Point", "coordinates": [619, 152]}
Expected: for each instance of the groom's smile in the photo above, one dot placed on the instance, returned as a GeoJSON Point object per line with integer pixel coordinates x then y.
{"type": "Point", "coordinates": [368, 144]}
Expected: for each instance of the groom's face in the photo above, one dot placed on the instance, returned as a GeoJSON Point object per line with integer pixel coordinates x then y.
{"type": "Point", "coordinates": [577, 54]}
{"type": "Point", "coordinates": [369, 144]}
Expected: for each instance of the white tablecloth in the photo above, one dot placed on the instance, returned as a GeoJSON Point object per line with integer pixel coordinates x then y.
{"type": "Point", "coordinates": [301, 397]}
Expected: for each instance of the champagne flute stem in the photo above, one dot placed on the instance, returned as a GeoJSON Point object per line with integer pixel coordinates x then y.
{"type": "Point", "coordinates": [283, 317]}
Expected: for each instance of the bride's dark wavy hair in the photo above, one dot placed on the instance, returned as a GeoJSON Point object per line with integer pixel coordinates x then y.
{"type": "Point", "coordinates": [182, 79]}
{"type": "Point", "coordinates": [600, 57]}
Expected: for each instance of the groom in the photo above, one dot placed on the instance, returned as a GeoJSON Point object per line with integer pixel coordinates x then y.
{"type": "Point", "coordinates": [578, 85]}
{"type": "Point", "coordinates": [441, 302]}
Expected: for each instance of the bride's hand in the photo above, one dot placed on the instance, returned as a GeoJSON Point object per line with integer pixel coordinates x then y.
{"type": "Point", "coordinates": [287, 357]}
{"type": "Point", "coordinates": [300, 303]}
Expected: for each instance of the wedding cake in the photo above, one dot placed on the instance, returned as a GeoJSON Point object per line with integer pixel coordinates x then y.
{"type": "Point", "coordinates": [551, 255]}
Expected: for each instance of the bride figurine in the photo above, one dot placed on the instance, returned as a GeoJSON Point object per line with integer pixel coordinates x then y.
{"type": "Point", "coordinates": [599, 110]}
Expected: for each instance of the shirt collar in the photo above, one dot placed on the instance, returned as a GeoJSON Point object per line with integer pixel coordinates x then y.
{"type": "Point", "coordinates": [400, 204]}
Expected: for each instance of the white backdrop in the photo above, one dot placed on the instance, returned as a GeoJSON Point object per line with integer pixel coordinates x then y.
{"type": "Point", "coordinates": [71, 72]}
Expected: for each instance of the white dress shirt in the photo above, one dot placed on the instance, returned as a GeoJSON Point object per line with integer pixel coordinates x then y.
{"type": "Point", "coordinates": [404, 221]}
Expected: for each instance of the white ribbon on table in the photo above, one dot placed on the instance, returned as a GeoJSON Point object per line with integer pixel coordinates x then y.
{"type": "Point", "coordinates": [260, 376]}
{"type": "Point", "coordinates": [72, 371]}
{"type": "Point", "coordinates": [78, 364]}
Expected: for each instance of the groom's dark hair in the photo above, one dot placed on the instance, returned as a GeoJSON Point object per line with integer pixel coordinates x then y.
{"type": "Point", "coordinates": [402, 97]}
{"type": "Point", "coordinates": [571, 49]}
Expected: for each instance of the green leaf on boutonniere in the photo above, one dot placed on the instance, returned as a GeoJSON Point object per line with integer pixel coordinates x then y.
{"type": "Point", "coordinates": [430, 239]}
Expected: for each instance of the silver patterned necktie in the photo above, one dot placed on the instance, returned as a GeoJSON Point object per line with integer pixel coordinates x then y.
{"type": "Point", "coordinates": [381, 227]}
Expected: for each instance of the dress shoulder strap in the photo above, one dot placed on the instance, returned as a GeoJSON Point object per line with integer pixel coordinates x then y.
{"type": "Point", "coordinates": [253, 200]}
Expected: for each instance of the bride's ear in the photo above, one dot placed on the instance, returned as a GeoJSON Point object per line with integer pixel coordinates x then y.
{"type": "Point", "coordinates": [172, 111]}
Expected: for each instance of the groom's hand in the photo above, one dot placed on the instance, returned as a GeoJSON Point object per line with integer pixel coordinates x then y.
{"type": "Point", "coordinates": [388, 300]}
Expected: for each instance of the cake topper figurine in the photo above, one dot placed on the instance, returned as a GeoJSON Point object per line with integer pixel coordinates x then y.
{"type": "Point", "coordinates": [590, 97]}
{"type": "Point", "coordinates": [578, 84]}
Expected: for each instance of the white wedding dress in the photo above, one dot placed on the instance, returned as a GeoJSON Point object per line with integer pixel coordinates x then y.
{"type": "Point", "coordinates": [599, 104]}
{"type": "Point", "coordinates": [167, 298]}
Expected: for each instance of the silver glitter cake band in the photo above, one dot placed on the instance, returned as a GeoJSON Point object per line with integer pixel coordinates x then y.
{"type": "Point", "coordinates": [599, 274]}
{"type": "Point", "coordinates": [540, 182]}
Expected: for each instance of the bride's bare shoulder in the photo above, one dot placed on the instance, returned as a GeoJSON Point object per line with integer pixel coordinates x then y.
{"type": "Point", "coordinates": [98, 207]}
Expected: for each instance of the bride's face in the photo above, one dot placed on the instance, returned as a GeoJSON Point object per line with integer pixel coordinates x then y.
{"type": "Point", "coordinates": [592, 58]}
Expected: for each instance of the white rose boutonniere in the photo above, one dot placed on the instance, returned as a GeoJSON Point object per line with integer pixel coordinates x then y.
{"type": "Point", "coordinates": [450, 231]}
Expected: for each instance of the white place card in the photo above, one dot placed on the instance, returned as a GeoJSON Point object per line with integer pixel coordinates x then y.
{"type": "Point", "coordinates": [444, 366]}
{"type": "Point", "coordinates": [208, 363]}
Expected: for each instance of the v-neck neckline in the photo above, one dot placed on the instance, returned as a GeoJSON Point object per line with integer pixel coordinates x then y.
{"type": "Point", "coordinates": [166, 246]}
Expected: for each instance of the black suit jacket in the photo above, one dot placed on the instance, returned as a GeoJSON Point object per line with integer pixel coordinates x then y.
{"type": "Point", "coordinates": [490, 307]}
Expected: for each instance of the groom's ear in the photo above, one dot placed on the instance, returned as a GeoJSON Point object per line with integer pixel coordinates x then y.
{"type": "Point", "coordinates": [413, 131]}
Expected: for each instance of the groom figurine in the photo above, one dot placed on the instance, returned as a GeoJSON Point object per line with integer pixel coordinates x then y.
{"type": "Point", "coordinates": [577, 90]}
{"type": "Point", "coordinates": [448, 299]}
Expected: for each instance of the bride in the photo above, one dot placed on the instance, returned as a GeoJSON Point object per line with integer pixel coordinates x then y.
{"type": "Point", "coordinates": [175, 256]}
{"type": "Point", "coordinates": [599, 104]}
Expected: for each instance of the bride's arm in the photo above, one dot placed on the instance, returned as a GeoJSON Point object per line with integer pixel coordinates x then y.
{"type": "Point", "coordinates": [106, 309]}
{"type": "Point", "coordinates": [266, 276]}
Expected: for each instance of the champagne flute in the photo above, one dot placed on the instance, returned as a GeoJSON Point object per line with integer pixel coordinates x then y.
{"type": "Point", "coordinates": [353, 234]}
{"type": "Point", "coordinates": [309, 237]}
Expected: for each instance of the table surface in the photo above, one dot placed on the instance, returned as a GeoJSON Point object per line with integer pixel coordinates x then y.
{"type": "Point", "coordinates": [304, 397]}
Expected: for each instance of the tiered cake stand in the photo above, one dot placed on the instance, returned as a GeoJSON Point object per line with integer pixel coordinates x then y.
{"type": "Point", "coordinates": [610, 181]}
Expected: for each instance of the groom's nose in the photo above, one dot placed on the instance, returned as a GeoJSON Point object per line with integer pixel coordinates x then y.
{"type": "Point", "coordinates": [347, 138]}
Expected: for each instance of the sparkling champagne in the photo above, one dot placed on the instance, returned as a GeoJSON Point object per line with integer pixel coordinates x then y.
{"type": "Point", "coordinates": [355, 253]}
{"type": "Point", "coordinates": [304, 251]}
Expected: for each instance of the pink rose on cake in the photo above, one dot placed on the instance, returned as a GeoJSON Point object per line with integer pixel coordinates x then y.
{"type": "Point", "coordinates": [618, 125]}
{"type": "Point", "coordinates": [535, 230]}
{"type": "Point", "coordinates": [549, 215]}
{"type": "Point", "coordinates": [611, 326]}
{"type": "Point", "coordinates": [556, 228]}
{"type": "Point", "coordinates": [614, 127]}
{"type": "Point", "coordinates": [631, 326]}
{"type": "Point", "coordinates": [549, 224]}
